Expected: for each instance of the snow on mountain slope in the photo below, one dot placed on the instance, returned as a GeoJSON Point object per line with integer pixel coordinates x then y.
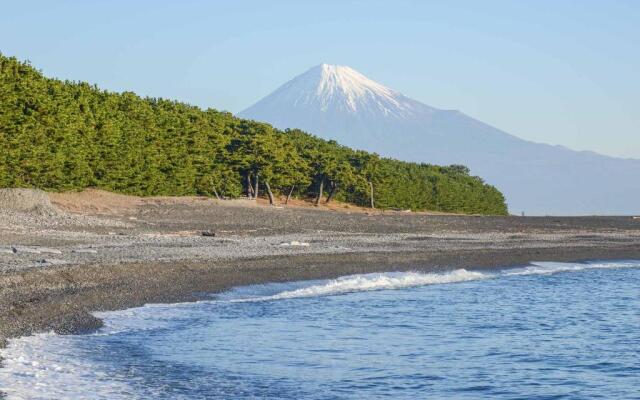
{"type": "Point", "coordinates": [337, 102]}
{"type": "Point", "coordinates": [335, 87]}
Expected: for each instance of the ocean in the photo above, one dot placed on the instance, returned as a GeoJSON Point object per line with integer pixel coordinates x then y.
{"type": "Point", "coordinates": [542, 331]}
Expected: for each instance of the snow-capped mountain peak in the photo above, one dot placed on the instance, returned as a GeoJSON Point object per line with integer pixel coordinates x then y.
{"type": "Point", "coordinates": [337, 88]}
{"type": "Point", "coordinates": [339, 103]}
{"type": "Point", "coordinates": [341, 81]}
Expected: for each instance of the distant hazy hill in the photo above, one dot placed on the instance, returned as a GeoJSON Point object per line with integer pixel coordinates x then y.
{"type": "Point", "coordinates": [339, 103]}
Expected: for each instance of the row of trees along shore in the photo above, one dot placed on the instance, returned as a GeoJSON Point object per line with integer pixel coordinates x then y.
{"type": "Point", "coordinates": [62, 135]}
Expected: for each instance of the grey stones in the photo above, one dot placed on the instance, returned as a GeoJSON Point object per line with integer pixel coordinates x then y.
{"type": "Point", "coordinates": [50, 261]}
{"type": "Point", "coordinates": [85, 251]}
{"type": "Point", "coordinates": [34, 250]}
{"type": "Point", "coordinates": [294, 243]}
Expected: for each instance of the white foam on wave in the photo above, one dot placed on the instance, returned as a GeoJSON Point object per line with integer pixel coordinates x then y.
{"type": "Point", "coordinates": [400, 280]}
{"type": "Point", "coordinates": [50, 366]}
{"type": "Point", "coordinates": [146, 318]}
{"type": "Point", "coordinates": [46, 366]}
{"type": "Point", "coordinates": [548, 268]}
{"type": "Point", "coordinates": [370, 282]}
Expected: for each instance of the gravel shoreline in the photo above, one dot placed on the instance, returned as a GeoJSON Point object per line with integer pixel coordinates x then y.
{"type": "Point", "coordinates": [56, 267]}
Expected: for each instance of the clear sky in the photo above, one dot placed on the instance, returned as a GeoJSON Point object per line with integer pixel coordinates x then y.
{"type": "Point", "coordinates": [560, 72]}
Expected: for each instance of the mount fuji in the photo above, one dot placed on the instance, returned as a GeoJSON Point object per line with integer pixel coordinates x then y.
{"type": "Point", "coordinates": [339, 103]}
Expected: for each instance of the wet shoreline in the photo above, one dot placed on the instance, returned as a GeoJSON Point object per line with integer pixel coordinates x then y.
{"type": "Point", "coordinates": [61, 299]}
{"type": "Point", "coordinates": [57, 268]}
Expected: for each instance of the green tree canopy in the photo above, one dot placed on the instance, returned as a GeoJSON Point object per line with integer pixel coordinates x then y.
{"type": "Point", "coordinates": [62, 135]}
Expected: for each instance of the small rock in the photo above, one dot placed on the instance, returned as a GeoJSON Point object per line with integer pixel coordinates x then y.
{"type": "Point", "coordinates": [87, 251]}
{"type": "Point", "coordinates": [51, 261]}
{"type": "Point", "coordinates": [295, 243]}
{"type": "Point", "coordinates": [22, 249]}
{"type": "Point", "coordinates": [49, 250]}
{"type": "Point", "coordinates": [35, 250]}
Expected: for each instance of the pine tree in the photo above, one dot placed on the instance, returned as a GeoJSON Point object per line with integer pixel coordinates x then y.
{"type": "Point", "coordinates": [62, 135]}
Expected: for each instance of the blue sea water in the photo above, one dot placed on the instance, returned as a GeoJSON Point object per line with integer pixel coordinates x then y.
{"type": "Point", "coordinates": [544, 331]}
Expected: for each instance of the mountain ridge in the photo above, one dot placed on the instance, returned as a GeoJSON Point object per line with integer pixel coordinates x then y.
{"type": "Point", "coordinates": [537, 178]}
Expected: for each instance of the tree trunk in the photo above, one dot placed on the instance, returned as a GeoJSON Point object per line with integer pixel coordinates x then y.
{"type": "Point", "coordinates": [289, 195]}
{"type": "Point", "coordinates": [333, 190]}
{"type": "Point", "coordinates": [257, 193]}
{"type": "Point", "coordinates": [371, 192]}
{"type": "Point", "coordinates": [215, 192]}
{"type": "Point", "coordinates": [249, 187]}
{"type": "Point", "coordinates": [266, 184]}
{"type": "Point", "coordinates": [320, 192]}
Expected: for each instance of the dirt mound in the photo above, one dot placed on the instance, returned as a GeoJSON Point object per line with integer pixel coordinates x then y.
{"type": "Point", "coordinates": [29, 209]}
{"type": "Point", "coordinates": [26, 200]}
{"type": "Point", "coordinates": [94, 201]}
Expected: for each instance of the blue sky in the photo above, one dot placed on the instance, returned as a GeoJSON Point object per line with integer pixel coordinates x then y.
{"type": "Point", "coordinates": [560, 72]}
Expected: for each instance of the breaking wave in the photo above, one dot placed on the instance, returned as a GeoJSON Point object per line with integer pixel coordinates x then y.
{"type": "Point", "coordinates": [548, 268]}
{"type": "Point", "coordinates": [66, 367]}
{"type": "Point", "coordinates": [369, 282]}
{"type": "Point", "coordinates": [400, 280]}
